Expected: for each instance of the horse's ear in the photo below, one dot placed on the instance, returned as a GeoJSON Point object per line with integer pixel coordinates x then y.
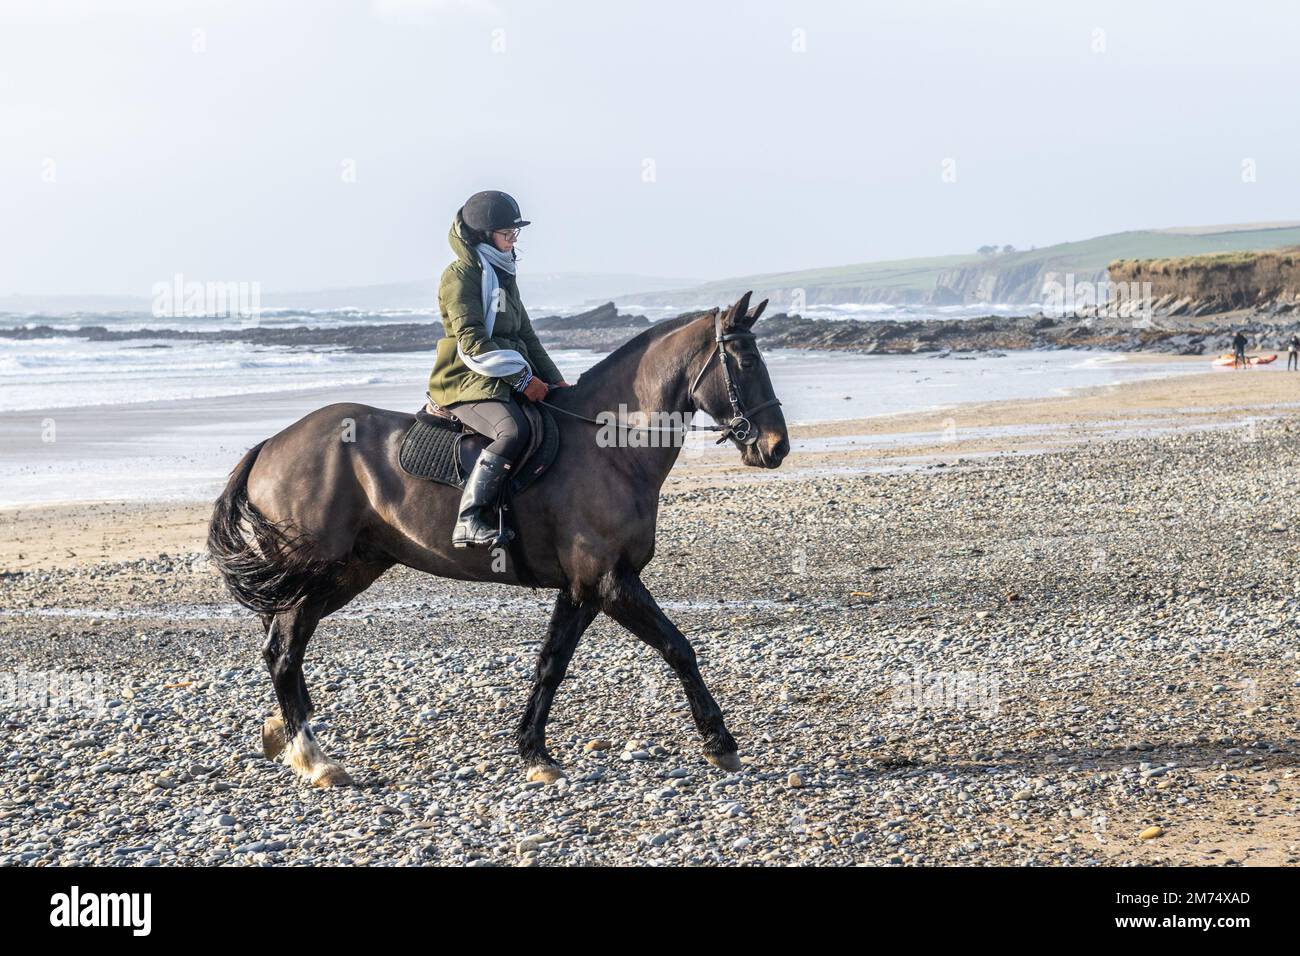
{"type": "Point", "coordinates": [736, 314]}
{"type": "Point", "coordinates": [754, 316]}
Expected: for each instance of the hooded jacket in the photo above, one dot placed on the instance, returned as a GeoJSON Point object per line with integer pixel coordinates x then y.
{"type": "Point", "coordinates": [460, 301]}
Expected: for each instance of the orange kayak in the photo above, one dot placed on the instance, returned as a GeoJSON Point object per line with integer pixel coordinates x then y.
{"type": "Point", "coordinates": [1227, 360]}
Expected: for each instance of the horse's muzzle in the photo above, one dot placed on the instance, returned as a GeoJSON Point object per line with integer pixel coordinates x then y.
{"type": "Point", "coordinates": [765, 454]}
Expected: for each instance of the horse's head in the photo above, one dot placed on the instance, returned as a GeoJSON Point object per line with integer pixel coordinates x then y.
{"type": "Point", "coordinates": [733, 386]}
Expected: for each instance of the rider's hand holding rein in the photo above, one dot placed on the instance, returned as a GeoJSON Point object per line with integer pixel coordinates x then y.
{"type": "Point", "coordinates": [536, 389]}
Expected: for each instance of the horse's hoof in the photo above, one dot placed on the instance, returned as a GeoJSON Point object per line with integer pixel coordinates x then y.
{"type": "Point", "coordinates": [727, 761]}
{"type": "Point", "coordinates": [273, 737]}
{"type": "Point", "coordinates": [331, 775]}
{"type": "Point", "coordinates": [545, 773]}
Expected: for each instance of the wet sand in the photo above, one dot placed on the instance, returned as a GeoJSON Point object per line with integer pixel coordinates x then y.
{"type": "Point", "coordinates": [54, 536]}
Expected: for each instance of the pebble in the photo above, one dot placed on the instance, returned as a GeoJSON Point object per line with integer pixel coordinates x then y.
{"type": "Point", "coordinates": [1028, 731]}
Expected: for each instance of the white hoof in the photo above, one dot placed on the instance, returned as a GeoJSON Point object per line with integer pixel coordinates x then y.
{"type": "Point", "coordinates": [331, 775]}
{"type": "Point", "coordinates": [545, 773]}
{"type": "Point", "coordinates": [309, 762]}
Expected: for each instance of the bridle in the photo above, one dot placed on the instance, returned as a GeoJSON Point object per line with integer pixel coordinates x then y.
{"type": "Point", "coordinates": [741, 427]}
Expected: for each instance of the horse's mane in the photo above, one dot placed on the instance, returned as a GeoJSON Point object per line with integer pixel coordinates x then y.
{"type": "Point", "coordinates": [638, 343]}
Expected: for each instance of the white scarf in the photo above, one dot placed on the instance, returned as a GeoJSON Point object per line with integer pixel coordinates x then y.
{"type": "Point", "coordinates": [499, 362]}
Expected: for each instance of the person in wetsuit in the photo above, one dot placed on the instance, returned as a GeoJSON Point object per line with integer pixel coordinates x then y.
{"type": "Point", "coordinates": [1239, 349]}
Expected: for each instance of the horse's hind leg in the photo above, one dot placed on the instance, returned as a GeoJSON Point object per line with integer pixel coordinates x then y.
{"type": "Point", "coordinates": [290, 734]}
{"type": "Point", "coordinates": [273, 740]}
{"type": "Point", "coordinates": [628, 601]}
{"type": "Point", "coordinates": [568, 622]}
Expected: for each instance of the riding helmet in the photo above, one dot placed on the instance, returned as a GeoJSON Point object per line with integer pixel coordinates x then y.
{"type": "Point", "coordinates": [490, 210]}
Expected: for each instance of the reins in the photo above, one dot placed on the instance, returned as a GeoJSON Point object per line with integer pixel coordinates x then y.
{"type": "Point", "coordinates": [741, 427]}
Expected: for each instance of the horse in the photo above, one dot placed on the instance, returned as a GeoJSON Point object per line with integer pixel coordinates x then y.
{"type": "Point", "coordinates": [312, 516]}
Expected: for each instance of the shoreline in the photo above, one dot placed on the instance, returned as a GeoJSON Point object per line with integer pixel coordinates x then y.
{"type": "Point", "coordinates": [56, 535]}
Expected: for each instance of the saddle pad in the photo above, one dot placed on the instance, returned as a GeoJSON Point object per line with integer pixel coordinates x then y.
{"type": "Point", "coordinates": [429, 450]}
{"type": "Point", "coordinates": [432, 449]}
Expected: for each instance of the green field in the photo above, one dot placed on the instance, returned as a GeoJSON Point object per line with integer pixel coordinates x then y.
{"type": "Point", "coordinates": [919, 276]}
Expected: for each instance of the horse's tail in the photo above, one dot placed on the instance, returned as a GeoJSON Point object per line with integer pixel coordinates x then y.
{"type": "Point", "coordinates": [267, 569]}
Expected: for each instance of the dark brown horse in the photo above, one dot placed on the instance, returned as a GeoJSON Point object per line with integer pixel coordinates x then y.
{"type": "Point", "coordinates": [312, 516]}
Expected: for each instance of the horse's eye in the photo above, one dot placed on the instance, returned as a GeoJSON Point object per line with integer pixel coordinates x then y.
{"type": "Point", "coordinates": [747, 361]}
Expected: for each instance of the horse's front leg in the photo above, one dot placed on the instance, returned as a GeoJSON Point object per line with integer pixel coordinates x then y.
{"type": "Point", "coordinates": [628, 601]}
{"type": "Point", "coordinates": [568, 621]}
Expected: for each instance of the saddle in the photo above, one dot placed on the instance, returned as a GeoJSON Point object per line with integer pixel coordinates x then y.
{"type": "Point", "coordinates": [439, 447]}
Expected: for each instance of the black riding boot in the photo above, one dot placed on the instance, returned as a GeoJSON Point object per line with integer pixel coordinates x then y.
{"type": "Point", "coordinates": [482, 489]}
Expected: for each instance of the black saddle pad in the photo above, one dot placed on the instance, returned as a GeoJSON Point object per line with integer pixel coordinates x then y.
{"type": "Point", "coordinates": [429, 449]}
{"type": "Point", "coordinates": [444, 451]}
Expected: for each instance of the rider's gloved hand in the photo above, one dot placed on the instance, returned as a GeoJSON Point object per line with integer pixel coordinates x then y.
{"type": "Point", "coordinates": [536, 390]}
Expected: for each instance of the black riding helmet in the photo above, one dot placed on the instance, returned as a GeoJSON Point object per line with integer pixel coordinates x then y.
{"type": "Point", "coordinates": [490, 210]}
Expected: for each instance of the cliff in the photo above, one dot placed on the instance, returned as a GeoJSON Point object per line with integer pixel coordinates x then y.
{"type": "Point", "coordinates": [1267, 281]}
{"type": "Point", "coordinates": [1015, 277]}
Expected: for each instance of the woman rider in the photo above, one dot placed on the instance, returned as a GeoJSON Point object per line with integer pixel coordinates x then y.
{"type": "Point", "coordinates": [490, 355]}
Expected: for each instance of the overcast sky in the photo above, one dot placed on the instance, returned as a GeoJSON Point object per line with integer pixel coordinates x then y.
{"type": "Point", "coordinates": [702, 139]}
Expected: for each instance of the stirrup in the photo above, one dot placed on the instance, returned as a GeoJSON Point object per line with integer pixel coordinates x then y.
{"type": "Point", "coordinates": [504, 534]}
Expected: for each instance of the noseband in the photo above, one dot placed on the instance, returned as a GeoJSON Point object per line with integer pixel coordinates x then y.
{"type": "Point", "coordinates": [741, 427]}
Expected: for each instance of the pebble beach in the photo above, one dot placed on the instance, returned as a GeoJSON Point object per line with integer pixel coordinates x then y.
{"type": "Point", "coordinates": [1056, 631]}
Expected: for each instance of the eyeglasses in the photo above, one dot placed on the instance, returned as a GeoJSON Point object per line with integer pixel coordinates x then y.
{"type": "Point", "coordinates": [511, 234]}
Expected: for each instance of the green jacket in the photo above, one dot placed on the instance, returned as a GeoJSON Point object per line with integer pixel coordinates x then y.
{"type": "Point", "coordinates": [460, 300]}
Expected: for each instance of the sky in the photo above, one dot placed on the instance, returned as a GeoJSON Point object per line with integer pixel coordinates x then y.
{"type": "Point", "coordinates": [308, 145]}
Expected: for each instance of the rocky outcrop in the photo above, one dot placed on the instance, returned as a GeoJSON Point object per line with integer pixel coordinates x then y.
{"type": "Point", "coordinates": [601, 329]}
{"type": "Point", "coordinates": [1266, 281]}
{"type": "Point", "coordinates": [1000, 333]}
{"type": "Point", "coordinates": [894, 338]}
{"type": "Point", "coordinates": [393, 337]}
{"type": "Point", "coordinates": [606, 331]}
{"type": "Point", "coordinates": [602, 317]}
